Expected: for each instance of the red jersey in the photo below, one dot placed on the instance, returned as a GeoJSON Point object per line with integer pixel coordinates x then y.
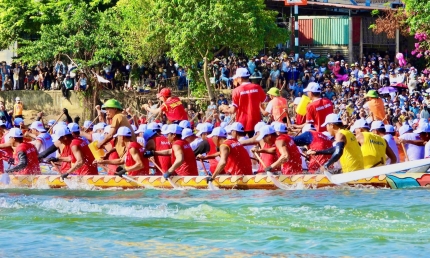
{"type": "Point", "coordinates": [164, 162]}
{"type": "Point", "coordinates": [294, 164]}
{"type": "Point", "coordinates": [267, 158]}
{"type": "Point", "coordinates": [174, 109]}
{"type": "Point", "coordinates": [300, 119]}
{"type": "Point", "coordinates": [319, 142]}
{"type": "Point", "coordinates": [33, 167]}
{"type": "Point", "coordinates": [238, 161]}
{"type": "Point", "coordinates": [8, 150]}
{"type": "Point", "coordinates": [213, 163]}
{"type": "Point", "coordinates": [189, 166]}
{"type": "Point", "coordinates": [129, 161]}
{"type": "Point", "coordinates": [67, 152]}
{"type": "Point", "coordinates": [247, 98]}
{"type": "Point", "coordinates": [317, 111]}
{"type": "Point", "coordinates": [88, 168]}
{"type": "Point", "coordinates": [113, 155]}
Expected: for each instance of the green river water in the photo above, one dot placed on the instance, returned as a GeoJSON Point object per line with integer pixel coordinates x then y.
{"type": "Point", "coordinates": [200, 223]}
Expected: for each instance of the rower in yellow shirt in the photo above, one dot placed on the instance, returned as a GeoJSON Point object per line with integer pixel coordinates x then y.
{"type": "Point", "coordinates": [373, 147]}
{"type": "Point", "coordinates": [346, 148]}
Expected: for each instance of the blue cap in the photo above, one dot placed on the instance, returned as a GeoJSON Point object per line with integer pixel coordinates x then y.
{"type": "Point", "coordinates": [17, 121]}
{"type": "Point", "coordinates": [148, 134]}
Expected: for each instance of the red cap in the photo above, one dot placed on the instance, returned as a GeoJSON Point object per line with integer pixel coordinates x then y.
{"type": "Point", "coordinates": [165, 93]}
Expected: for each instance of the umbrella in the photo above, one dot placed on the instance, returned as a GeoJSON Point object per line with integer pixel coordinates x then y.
{"type": "Point", "coordinates": [386, 90]}
{"type": "Point", "coordinates": [401, 85]}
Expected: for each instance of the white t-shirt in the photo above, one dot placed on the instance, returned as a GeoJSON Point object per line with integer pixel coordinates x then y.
{"type": "Point", "coordinates": [269, 107]}
{"type": "Point", "coordinates": [414, 152]}
{"type": "Point", "coordinates": [392, 144]}
{"type": "Point", "coordinates": [427, 150]}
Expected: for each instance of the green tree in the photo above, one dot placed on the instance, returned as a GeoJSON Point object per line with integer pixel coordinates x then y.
{"type": "Point", "coordinates": [193, 29]}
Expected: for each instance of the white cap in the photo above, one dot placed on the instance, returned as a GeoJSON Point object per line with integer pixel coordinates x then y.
{"type": "Point", "coordinates": [223, 124]}
{"type": "Point", "coordinates": [377, 125]}
{"type": "Point", "coordinates": [88, 124]}
{"type": "Point", "coordinates": [280, 127]}
{"type": "Point", "coordinates": [218, 131]}
{"type": "Point", "coordinates": [308, 127]}
{"type": "Point", "coordinates": [265, 130]}
{"type": "Point", "coordinates": [123, 131]}
{"type": "Point", "coordinates": [15, 133]}
{"type": "Point", "coordinates": [236, 126]}
{"type": "Point", "coordinates": [297, 100]}
{"type": "Point", "coordinates": [312, 87]}
{"type": "Point", "coordinates": [258, 126]}
{"type": "Point", "coordinates": [204, 128]}
{"type": "Point", "coordinates": [360, 123]}
{"type": "Point", "coordinates": [73, 127]}
{"type": "Point", "coordinates": [142, 128]}
{"type": "Point", "coordinates": [389, 129]}
{"type": "Point", "coordinates": [99, 126]}
{"type": "Point", "coordinates": [185, 124]}
{"type": "Point", "coordinates": [17, 99]}
{"type": "Point", "coordinates": [241, 72]}
{"type": "Point", "coordinates": [154, 126]}
{"type": "Point", "coordinates": [328, 135]}
{"type": "Point", "coordinates": [423, 128]}
{"type": "Point", "coordinates": [51, 122]}
{"type": "Point", "coordinates": [134, 128]}
{"type": "Point", "coordinates": [107, 129]}
{"type": "Point", "coordinates": [37, 125]}
{"type": "Point", "coordinates": [187, 132]}
{"type": "Point", "coordinates": [172, 128]}
{"type": "Point", "coordinates": [60, 131]}
{"type": "Point", "coordinates": [331, 119]}
{"type": "Point", "coordinates": [404, 129]}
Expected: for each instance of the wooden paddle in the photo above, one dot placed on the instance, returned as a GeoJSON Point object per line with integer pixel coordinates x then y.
{"type": "Point", "coordinates": [169, 179]}
{"type": "Point", "coordinates": [56, 121]}
{"type": "Point", "coordinates": [210, 184]}
{"type": "Point", "coordinates": [270, 174]}
{"type": "Point", "coordinates": [86, 130]}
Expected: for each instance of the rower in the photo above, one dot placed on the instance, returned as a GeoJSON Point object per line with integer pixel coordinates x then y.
{"type": "Point", "coordinates": [43, 140]}
{"type": "Point", "coordinates": [346, 148]}
{"type": "Point", "coordinates": [373, 147]}
{"type": "Point", "coordinates": [25, 155]}
{"type": "Point", "coordinates": [81, 158]}
{"type": "Point", "coordinates": [172, 107]}
{"type": "Point", "coordinates": [111, 153]}
{"type": "Point", "coordinates": [4, 154]}
{"type": "Point", "coordinates": [204, 130]}
{"type": "Point", "coordinates": [287, 151]}
{"type": "Point", "coordinates": [237, 131]}
{"type": "Point", "coordinates": [234, 159]}
{"type": "Point", "coordinates": [114, 111]}
{"type": "Point", "coordinates": [135, 163]}
{"type": "Point", "coordinates": [412, 141]}
{"type": "Point", "coordinates": [277, 106]}
{"type": "Point", "coordinates": [198, 145]}
{"type": "Point", "coordinates": [76, 132]}
{"type": "Point", "coordinates": [267, 152]}
{"type": "Point", "coordinates": [139, 134]}
{"type": "Point", "coordinates": [155, 141]}
{"type": "Point", "coordinates": [380, 129]}
{"type": "Point", "coordinates": [315, 141]}
{"type": "Point", "coordinates": [182, 156]}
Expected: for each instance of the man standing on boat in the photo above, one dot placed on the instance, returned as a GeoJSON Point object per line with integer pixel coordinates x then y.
{"type": "Point", "coordinates": [114, 111]}
{"type": "Point", "coordinates": [172, 107]}
{"type": "Point", "coordinates": [373, 147]}
{"type": "Point", "coordinates": [234, 159]}
{"type": "Point", "coordinates": [25, 155]}
{"type": "Point", "coordinates": [277, 107]}
{"type": "Point", "coordinates": [318, 109]}
{"type": "Point", "coordinates": [135, 163]}
{"type": "Point", "coordinates": [182, 156]}
{"type": "Point", "coordinates": [246, 100]}
{"type": "Point", "coordinates": [287, 151]}
{"type": "Point", "coordinates": [346, 148]}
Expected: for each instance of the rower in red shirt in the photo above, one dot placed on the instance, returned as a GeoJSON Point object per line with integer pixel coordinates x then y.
{"type": "Point", "coordinates": [81, 158]}
{"type": "Point", "coordinates": [155, 141]}
{"type": "Point", "coordinates": [234, 159]}
{"type": "Point", "coordinates": [25, 155]}
{"type": "Point", "coordinates": [286, 149]}
{"type": "Point", "coordinates": [246, 100]}
{"type": "Point", "coordinates": [172, 107]}
{"type": "Point", "coordinates": [315, 141]}
{"type": "Point", "coordinates": [182, 156]}
{"type": "Point", "coordinates": [318, 109]}
{"type": "Point", "coordinates": [135, 163]}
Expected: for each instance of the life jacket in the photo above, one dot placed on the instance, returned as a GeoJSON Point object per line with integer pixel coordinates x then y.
{"type": "Point", "coordinates": [17, 109]}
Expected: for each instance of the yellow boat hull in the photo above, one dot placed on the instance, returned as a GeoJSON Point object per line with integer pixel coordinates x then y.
{"type": "Point", "coordinates": [191, 182]}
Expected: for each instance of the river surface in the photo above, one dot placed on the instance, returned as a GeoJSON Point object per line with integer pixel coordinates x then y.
{"type": "Point", "coordinates": [201, 223]}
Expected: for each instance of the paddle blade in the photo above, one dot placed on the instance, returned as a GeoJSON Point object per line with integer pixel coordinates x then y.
{"type": "Point", "coordinates": [5, 179]}
{"type": "Point", "coordinates": [211, 187]}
